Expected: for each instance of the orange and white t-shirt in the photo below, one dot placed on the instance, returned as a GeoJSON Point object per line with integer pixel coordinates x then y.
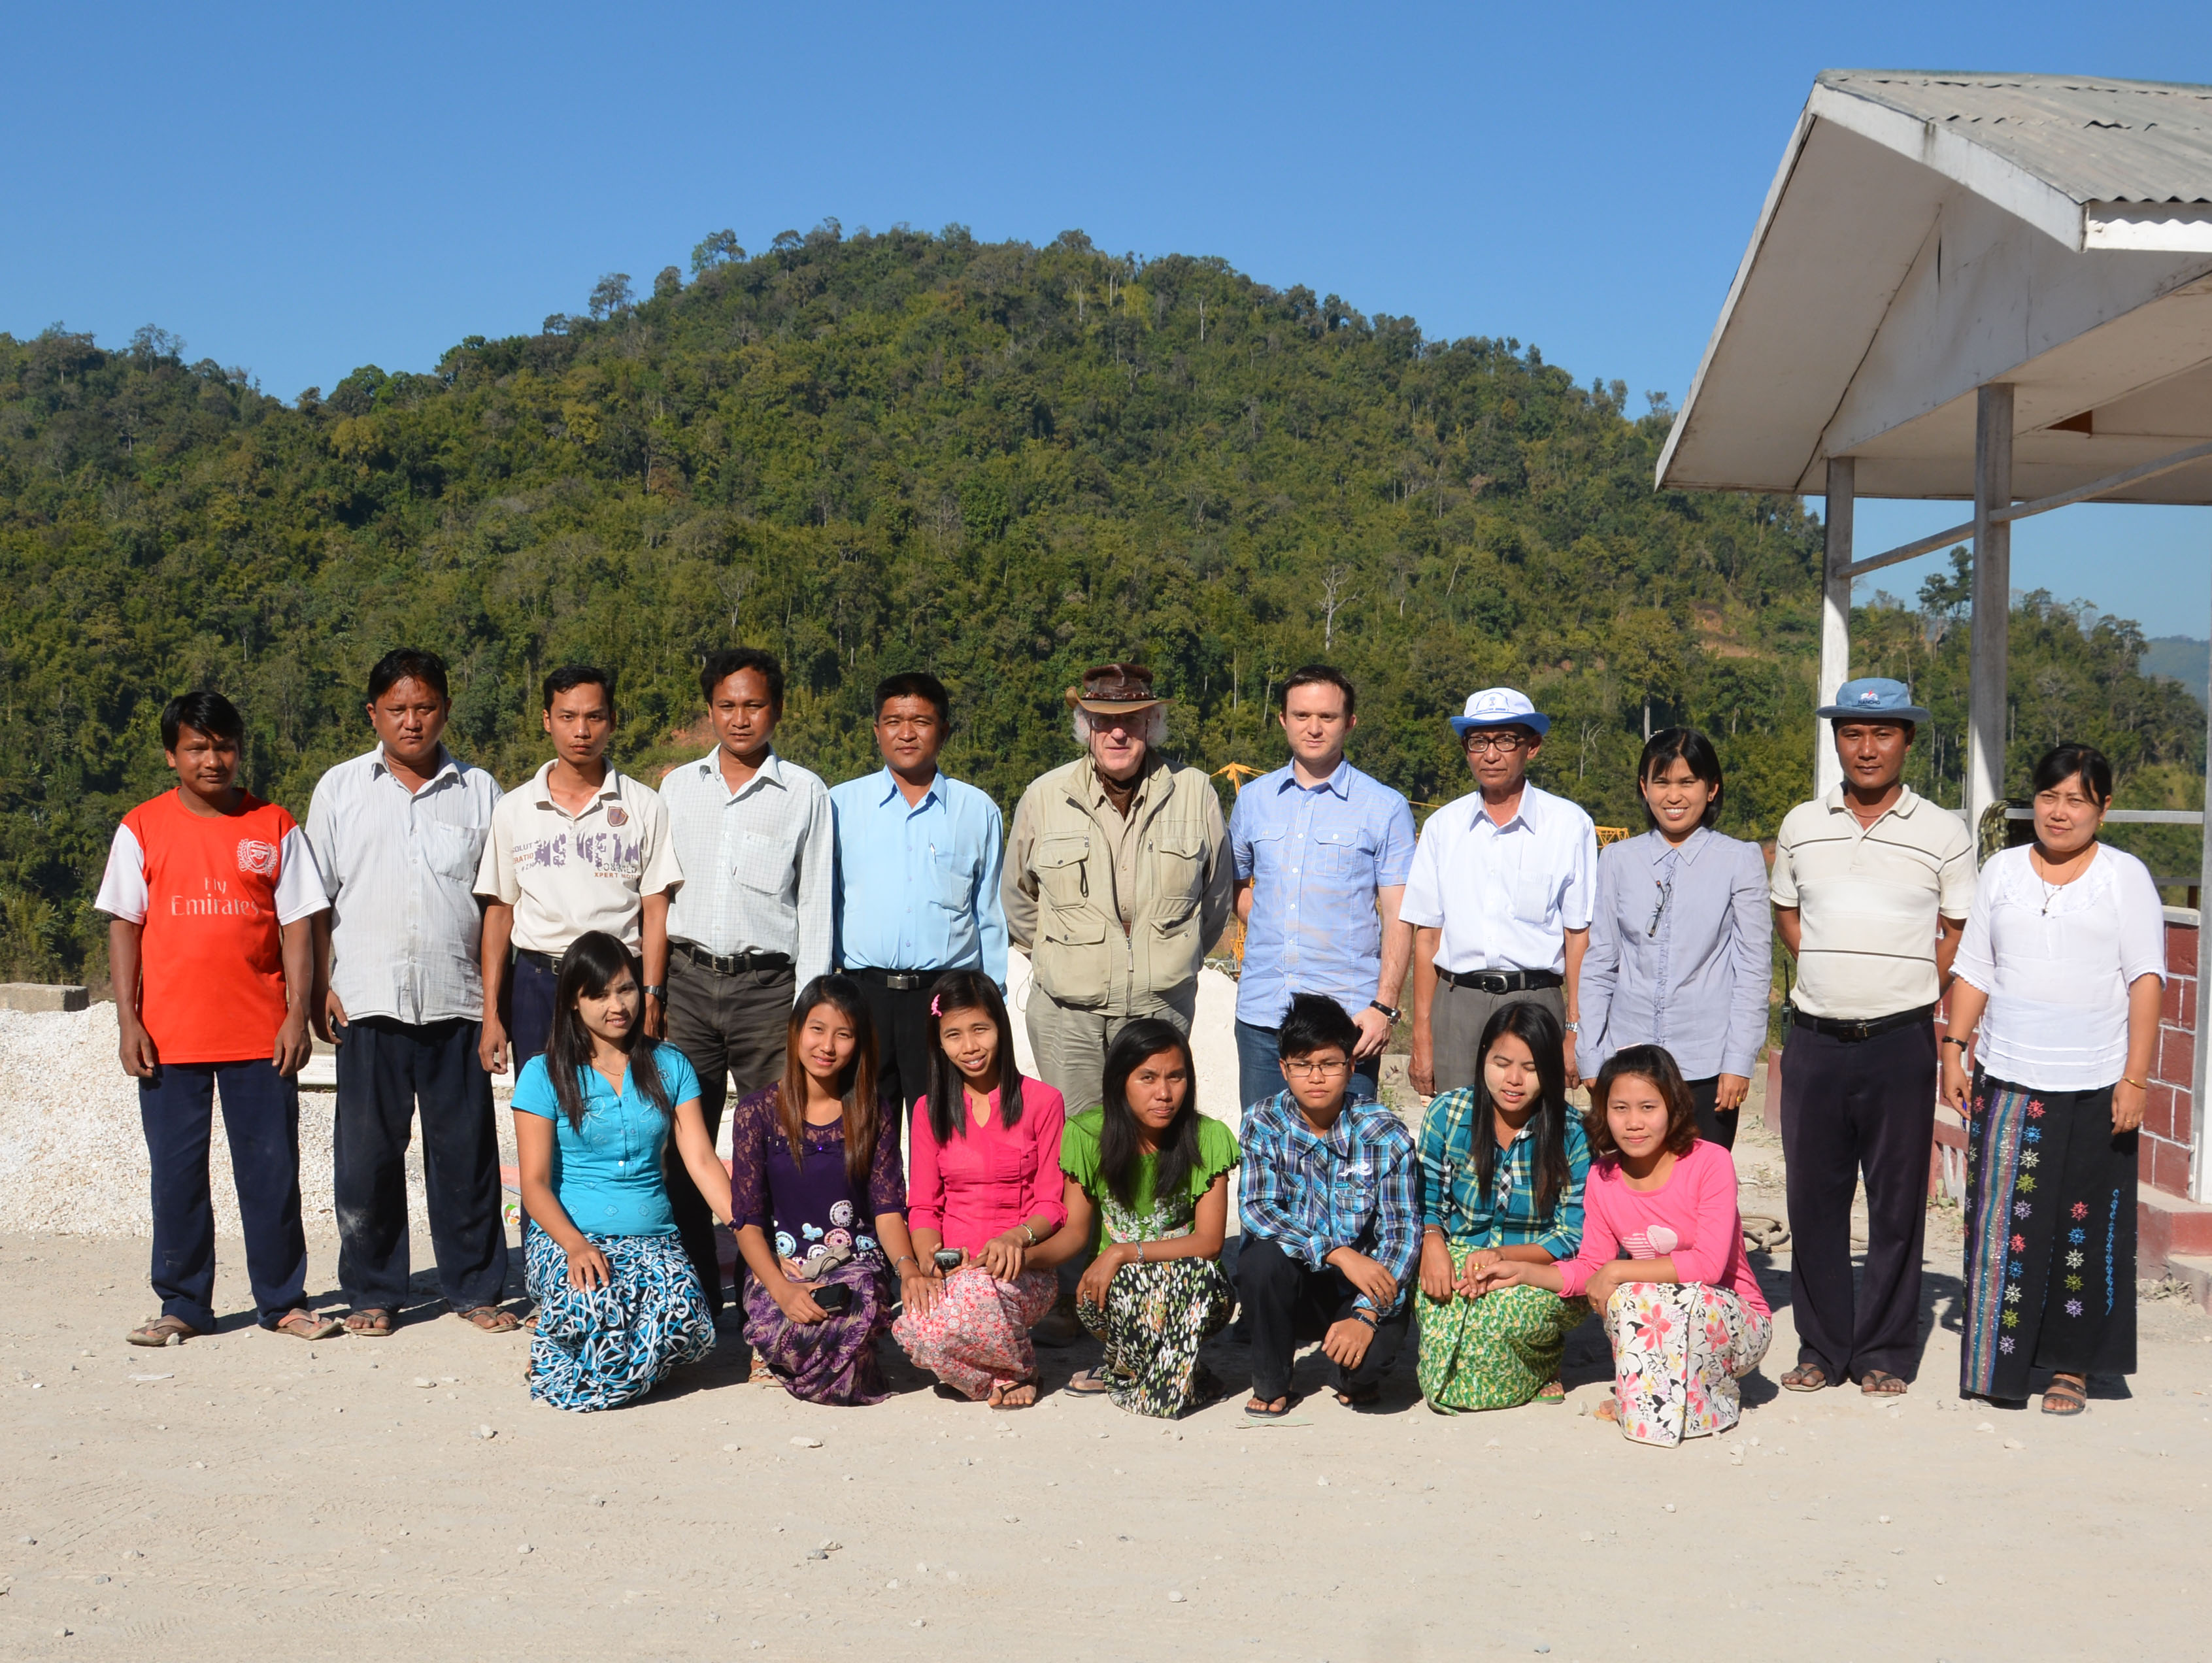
{"type": "Point", "coordinates": [211, 891]}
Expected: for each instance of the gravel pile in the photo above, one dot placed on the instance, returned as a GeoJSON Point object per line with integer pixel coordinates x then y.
{"type": "Point", "coordinates": [73, 1155]}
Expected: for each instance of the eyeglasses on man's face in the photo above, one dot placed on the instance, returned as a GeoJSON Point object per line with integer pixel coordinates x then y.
{"type": "Point", "coordinates": [1504, 743]}
{"type": "Point", "coordinates": [1316, 1068]}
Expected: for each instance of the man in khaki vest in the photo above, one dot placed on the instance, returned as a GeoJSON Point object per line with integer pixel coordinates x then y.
{"type": "Point", "coordinates": [1117, 879]}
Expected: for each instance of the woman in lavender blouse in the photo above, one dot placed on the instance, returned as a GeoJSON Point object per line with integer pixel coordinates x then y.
{"type": "Point", "coordinates": [1680, 950]}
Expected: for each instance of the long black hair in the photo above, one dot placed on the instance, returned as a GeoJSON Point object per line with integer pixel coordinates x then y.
{"type": "Point", "coordinates": [1535, 1027]}
{"type": "Point", "coordinates": [863, 1121]}
{"type": "Point", "coordinates": [1118, 1131]}
{"type": "Point", "coordinates": [968, 990]}
{"type": "Point", "coordinates": [588, 968]}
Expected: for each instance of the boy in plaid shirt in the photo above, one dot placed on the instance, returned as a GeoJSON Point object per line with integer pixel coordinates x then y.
{"type": "Point", "coordinates": [1331, 1210]}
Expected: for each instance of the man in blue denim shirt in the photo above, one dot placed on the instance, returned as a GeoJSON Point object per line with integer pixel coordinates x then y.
{"type": "Point", "coordinates": [1318, 845]}
{"type": "Point", "coordinates": [1331, 1209]}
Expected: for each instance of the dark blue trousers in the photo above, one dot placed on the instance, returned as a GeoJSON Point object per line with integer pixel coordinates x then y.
{"type": "Point", "coordinates": [261, 1119]}
{"type": "Point", "coordinates": [529, 987]}
{"type": "Point", "coordinates": [386, 1069]}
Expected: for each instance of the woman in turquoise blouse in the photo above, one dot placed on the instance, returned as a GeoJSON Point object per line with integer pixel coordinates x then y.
{"type": "Point", "coordinates": [618, 1304]}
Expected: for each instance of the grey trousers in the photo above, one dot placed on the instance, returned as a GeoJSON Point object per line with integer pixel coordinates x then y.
{"type": "Point", "coordinates": [733, 1025]}
{"type": "Point", "coordinates": [1458, 1016]}
{"type": "Point", "coordinates": [1070, 1044]}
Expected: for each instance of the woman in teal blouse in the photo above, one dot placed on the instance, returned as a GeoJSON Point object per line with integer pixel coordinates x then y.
{"type": "Point", "coordinates": [618, 1304]}
{"type": "Point", "coordinates": [1503, 1163]}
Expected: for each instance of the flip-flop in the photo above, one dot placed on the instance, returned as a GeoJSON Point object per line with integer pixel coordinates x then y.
{"type": "Point", "coordinates": [162, 1330]}
{"type": "Point", "coordinates": [370, 1323]}
{"type": "Point", "coordinates": [307, 1325]}
{"type": "Point", "coordinates": [1881, 1383]}
{"type": "Point", "coordinates": [1365, 1397]}
{"type": "Point", "coordinates": [1552, 1394]}
{"type": "Point", "coordinates": [1088, 1383]}
{"type": "Point", "coordinates": [491, 1320]}
{"type": "Point", "coordinates": [1289, 1400]}
{"type": "Point", "coordinates": [1805, 1377]}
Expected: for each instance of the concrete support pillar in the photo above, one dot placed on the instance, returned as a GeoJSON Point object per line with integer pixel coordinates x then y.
{"type": "Point", "coordinates": [1986, 688]}
{"type": "Point", "coordinates": [1835, 617]}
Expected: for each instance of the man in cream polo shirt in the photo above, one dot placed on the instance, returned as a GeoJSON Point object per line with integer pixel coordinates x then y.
{"type": "Point", "coordinates": [1871, 886]}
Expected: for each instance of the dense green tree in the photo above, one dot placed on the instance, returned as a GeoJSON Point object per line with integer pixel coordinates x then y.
{"type": "Point", "coordinates": [872, 451]}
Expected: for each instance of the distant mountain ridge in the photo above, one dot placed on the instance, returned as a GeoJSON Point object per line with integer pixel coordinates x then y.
{"type": "Point", "coordinates": [2179, 658]}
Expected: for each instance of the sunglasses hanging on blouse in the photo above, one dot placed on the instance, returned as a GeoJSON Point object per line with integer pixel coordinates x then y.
{"type": "Point", "coordinates": [1665, 894]}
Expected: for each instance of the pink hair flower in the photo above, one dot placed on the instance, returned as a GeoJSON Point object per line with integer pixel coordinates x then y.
{"type": "Point", "coordinates": [934, 999]}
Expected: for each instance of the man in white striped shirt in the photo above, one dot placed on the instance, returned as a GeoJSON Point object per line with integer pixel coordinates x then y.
{"type": "Point", "coordinates": [398, 832]}
{"type": "Point", "coordinates": [751, 924]}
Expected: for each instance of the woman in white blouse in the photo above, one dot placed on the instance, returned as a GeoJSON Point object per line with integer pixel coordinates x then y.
{"type": "Point", "coordinates": [2061, 970]}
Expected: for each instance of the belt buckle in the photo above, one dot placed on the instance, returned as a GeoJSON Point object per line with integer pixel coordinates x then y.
{"type": "Point", "coordinates": [1860, 1030]}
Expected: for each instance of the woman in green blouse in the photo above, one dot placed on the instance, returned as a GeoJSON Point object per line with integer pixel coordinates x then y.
{"type": "Point", "coordinates": [1150, 1190]}
{"type": "Point", "coordinates": [1503, 1162]}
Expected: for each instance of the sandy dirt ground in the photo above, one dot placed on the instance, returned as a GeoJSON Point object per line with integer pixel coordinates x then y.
{"type": "Point", "coordinates": [248, 1496]}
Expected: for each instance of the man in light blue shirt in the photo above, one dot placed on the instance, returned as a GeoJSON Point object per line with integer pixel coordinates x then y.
{"type": "Point", "coordinates": [1321, 854]}
{"type": "Point", "coordinates": [917, 887]}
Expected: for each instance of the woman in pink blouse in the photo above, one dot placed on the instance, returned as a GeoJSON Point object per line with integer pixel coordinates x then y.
{"type": "Point", "coordinates": [985, 1184]}
{"type": "Point", "coordinates": [1683, 1309]}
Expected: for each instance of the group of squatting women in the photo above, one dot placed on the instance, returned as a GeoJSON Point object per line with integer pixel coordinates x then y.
{"type": "Point", "coordinates": [1526, 1207]}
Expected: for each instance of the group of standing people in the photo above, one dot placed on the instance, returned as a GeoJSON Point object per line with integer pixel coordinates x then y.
{"type": "Point", "coordinates": [836, 958]}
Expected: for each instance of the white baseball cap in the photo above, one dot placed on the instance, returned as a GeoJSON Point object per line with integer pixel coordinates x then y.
{"type": "Point", "coordinates": [1501, 707]}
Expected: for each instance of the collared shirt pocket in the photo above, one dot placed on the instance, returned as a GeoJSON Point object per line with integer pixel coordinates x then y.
{"type": "Point", "coordinates": [1532, 897]}
{"type": "Point", "coordinates": [951, 881]}
{"type": "Point", "coordinates": [1342, 851]}
{"type": "Point", "coordinates": [765, 862]}
{"type": "Point", "coordinates": [1062, 867]}
{"type": "Point", "coordinates": [1269, 844]}
{"type": "Point", "coordinates": [452, 850]}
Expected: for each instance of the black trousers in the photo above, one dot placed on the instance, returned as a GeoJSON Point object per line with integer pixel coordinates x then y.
{"type": "Point", "coordinates": [1713, 1125]}
{"type": "Point", "coordinates": [386, 1069]}
{"type": "Point", "coordinates": [1286, 1305]}
{"type": "Point", "coordinates": [731, 1027]}
{"type": "Point", "coordinates": [529, 993]}
{"type": "Point", "coordinates": [261, 1119]}
{"type": "Point", "coordinates": [1852, 1108]}
{"type": "Point", "coordinates": [902, 1018]}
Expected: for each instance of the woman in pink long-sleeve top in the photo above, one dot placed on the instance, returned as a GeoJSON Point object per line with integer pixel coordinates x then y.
{"type": "Point", "coordinates": [1683, 1309]}
{"type": "Point", "coordinates": [985, 1183]}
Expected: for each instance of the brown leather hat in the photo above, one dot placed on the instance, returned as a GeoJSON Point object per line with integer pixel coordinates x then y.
{"type": "Point", "coordinates": [1114, 690]}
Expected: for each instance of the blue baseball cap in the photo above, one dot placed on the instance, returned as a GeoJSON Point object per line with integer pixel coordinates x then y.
{"type": "Point", "coordinates": [1875, 698]}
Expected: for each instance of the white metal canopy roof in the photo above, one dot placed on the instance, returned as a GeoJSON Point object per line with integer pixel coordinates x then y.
{"type": "Point", "coordinates": [1929, 233]}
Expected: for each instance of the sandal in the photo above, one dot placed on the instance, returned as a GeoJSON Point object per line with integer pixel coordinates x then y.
{"type": "Point", "coordinates": [307, 1325]}
{"type": "Point", "coordinates": [1881, 1383]}
{"type": "Point", "coordinates": [1365, 1397]}
{"type": "Point", "coordinates": [491, 1320]}
{"type": "Point", "coordinates": [162, 1330]}
{"type": "Point", "coordinates": [1088, 1383]}
{"type": "Point", "coordinates": [1001, 1395]}
{"type": "Point", "coordinates": [2067, 1394]}
{"type": "Point", "coordinates": [1550, 1391]}
{"type": "Point", "coordinates": [1608, 1410]}
{"type": "Point", "coordinates": [370, 1324]}
{"type": "Point", "coordinates": [1271, 1409]}
{"type": "Point", "coordinates": [1805, 1377]}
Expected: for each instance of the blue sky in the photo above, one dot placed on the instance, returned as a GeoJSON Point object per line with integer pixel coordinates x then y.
{"type": "Point", "coordinates": [303, 190]}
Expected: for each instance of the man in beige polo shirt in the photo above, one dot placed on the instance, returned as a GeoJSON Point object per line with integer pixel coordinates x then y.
{"type": "Point", "coordinates": [1871, 886]}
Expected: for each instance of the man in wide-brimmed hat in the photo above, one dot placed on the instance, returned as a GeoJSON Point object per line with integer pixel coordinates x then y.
{"type": "Point", "coordinates": [1871, 887]}
{"type": "Point", "coordinates": [1500, 896]}
{"type": "Point", "coordinates": [1117, 880]}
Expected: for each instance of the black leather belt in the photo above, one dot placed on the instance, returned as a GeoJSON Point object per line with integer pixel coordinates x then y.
{"type": "Point", "coordinates": [899, 981]}
{"type": "Point", "coordinates": [1836, 1028]}
{"type": "Point", "coordinates": [731, 964]}
{"type": "Point", "coordinates": [1501, 981]}
{"type": "Point", "coordinates": [549, 963]}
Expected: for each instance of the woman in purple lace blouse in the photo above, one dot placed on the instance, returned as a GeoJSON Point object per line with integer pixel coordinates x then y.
{"type": "Point", "coordinates": [818, 1204]}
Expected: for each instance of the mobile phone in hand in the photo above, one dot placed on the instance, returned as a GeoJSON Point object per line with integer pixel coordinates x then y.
{"type": "Point", "coordinates": [834, 1297]}
{"type": "Point", "coordinates": [948, 1259]}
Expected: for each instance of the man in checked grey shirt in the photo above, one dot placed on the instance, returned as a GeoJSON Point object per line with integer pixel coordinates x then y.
{"type": "Point", "coordinates": [750, 926]}
{"type": "Point", "coordinates": [397, 833]}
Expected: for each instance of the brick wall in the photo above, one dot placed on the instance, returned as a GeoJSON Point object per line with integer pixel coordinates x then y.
{"type": "Point", "coordinates": [2167, 1117]}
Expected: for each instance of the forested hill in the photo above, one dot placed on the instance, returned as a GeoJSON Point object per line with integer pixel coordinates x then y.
{"type": "Point", "coordinates": [879, 452]}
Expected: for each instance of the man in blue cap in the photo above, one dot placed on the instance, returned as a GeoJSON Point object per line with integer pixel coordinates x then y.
{"type": "Point", "coordinates": [1500, 896]}
{"type": "Point", "coordinates": [1871, 886]}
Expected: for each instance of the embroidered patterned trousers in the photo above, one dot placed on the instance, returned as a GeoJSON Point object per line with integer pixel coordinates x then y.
{"type": "Point", "coordinates": [1679, 1349]}
{"type": "Point", "coordinates": [977, 1334]}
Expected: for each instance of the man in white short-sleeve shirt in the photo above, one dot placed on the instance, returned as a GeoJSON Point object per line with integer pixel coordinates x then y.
{"type": "Point", "coordinates": [580, 847]}
{"type": "Point", "coordinates": [1499, 896]}
{"type": "Point", "coordinates": [1871, 887]}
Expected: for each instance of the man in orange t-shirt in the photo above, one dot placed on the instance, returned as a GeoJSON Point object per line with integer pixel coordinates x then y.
{"type": "Point", "coordinates": [212, 894]}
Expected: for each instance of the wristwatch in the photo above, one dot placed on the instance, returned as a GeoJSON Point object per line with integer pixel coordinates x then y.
{"type": "Point", "coordinates": [1575, 1027]}
{"type": "Point", "coordinates": [660, 990]}
{"type": "Point", "coordinates": [1378, 1004]}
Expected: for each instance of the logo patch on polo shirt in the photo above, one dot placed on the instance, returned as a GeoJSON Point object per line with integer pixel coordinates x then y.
{"type": "Point", "coordinates": [617, 816]}
{"type": "Point", "coordinates": [256, 857]}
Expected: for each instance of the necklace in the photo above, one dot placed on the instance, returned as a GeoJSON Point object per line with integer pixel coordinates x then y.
{"type": "Point", "coordinates": [2050, 889]}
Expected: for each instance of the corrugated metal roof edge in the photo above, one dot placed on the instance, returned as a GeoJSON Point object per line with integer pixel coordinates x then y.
{"type": "Point", "coordinates": [1998, 78]}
